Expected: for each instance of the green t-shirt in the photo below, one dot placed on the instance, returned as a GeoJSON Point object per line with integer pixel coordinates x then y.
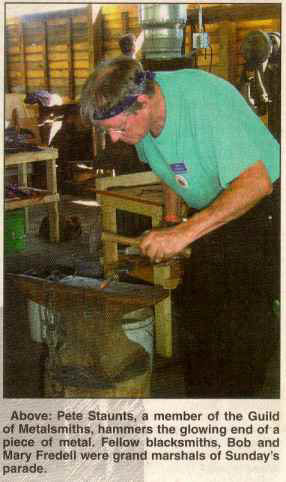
{"type": "Point", "coordinates": [211, 135]}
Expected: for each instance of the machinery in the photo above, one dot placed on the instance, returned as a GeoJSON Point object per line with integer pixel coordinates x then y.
{"type": "Point", "coordinates": [260, 82]}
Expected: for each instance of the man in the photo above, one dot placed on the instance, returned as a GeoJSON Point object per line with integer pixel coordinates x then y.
{"type": "Point", "coordinates": [127, 45]}
{"type": "Point", "coordinates": [201, 138]}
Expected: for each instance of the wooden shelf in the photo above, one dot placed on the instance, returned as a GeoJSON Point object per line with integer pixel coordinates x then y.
{"type": "Point", "coordinates": [46, 154]}
{"type": "Point", "coordinates": [49, 197]}
{"type": "Point", "coordinates": [31, 201]}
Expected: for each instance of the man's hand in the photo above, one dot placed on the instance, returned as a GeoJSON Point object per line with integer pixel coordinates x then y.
{"type": "Point", "coordinates": [163, 244]}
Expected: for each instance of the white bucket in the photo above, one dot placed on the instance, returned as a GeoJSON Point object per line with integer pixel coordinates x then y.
{"type": "Point", "coordinates": [36, 316]}
{"type": "Point", "coordinates": [139, 327]}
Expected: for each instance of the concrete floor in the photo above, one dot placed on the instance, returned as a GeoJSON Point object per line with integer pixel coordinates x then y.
{"type": "Point", "coordinates": [24, 359]}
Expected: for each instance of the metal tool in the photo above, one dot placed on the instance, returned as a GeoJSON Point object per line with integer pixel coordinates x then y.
{"type": "Point", "coordinates": [125, 268]}
{"type": "Point", "coordinates": [129, 241]}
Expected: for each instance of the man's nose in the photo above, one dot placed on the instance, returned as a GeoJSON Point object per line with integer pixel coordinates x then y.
{"type": "Point", "coordinates": [115, 136]}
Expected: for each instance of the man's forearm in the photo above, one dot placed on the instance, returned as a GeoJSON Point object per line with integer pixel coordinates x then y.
{"type": "Point", "coordinates": [242, 194]}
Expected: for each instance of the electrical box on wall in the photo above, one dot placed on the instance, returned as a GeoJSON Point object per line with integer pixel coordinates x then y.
{"type": "Point", "coordinates": [201, 40]}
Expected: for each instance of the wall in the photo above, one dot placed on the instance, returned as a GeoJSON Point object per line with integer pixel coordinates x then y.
{"type": "Point", "coordinates": [50, 51]}
{"type": "Point", "coordinates": [57, 51]}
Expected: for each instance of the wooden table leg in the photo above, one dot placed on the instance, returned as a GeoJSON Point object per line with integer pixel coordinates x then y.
{"type": "Point", "coordinates": [23, 181]}
{"type": "Point", "coordinates": [53, 208]}
{"type": "Point", "coordinates": [163, 310]}
{"type": "Point", "coordinates": [163, 315]}
{"type": "Point", "coordinates": [110, 249]}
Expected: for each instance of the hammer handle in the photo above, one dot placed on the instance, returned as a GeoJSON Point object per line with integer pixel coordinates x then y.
{"type": "Point", "coordinates": [117, 238]}
{"type": "Point", "coordinates": [127, 240]}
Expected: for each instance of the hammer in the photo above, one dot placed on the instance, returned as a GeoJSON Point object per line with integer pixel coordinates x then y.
{"type": "Point", "coordinates": [126, 240]}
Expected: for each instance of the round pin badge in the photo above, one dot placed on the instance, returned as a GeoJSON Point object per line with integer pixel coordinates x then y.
{"type": "Point", "coordinates": [182, 181]}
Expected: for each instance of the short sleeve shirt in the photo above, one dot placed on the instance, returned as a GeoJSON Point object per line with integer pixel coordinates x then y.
{"type": "Point", "coordinates": [210, 137]}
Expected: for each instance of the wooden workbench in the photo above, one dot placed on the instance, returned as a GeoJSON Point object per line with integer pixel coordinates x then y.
{"type": "Point", "coordinates": [49, 197]}
{"type": "Point", "coordinates": [138, 193]}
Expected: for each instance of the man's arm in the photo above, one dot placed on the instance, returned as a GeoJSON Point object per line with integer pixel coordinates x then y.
{"type": "Point", "coordinates": [242, 194]}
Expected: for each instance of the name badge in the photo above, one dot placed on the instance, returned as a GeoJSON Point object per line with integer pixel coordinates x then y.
{"type": "Point", "coordinates": [179, 168]}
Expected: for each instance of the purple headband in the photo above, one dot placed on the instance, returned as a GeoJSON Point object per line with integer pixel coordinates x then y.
{"type": "Point", "coordinates": [140, 78]}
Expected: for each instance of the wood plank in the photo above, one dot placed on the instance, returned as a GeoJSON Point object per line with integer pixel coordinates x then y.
{"type": "Point", "coordinates": [33, 84]}
{"type": "Point", "coordinates": [35, 74]}
{"type": "Point", "coordinates": [58, 74]}
{"type": "Point", "coordinates": [17, 74]}
{"type": "Point", "coordinates": [69, 27]}
{"type": "Point", "coordinates": [45, 57]}
{"type": "Point", "coordinates": [80, 55]}
{"type": "Point", "coordinates": [30, 202]}
{"type": "Point", "coordinates": [33, 39]}
{"type": "Point", "coordinates": [58, 83]}
{"type": "Point", "coordinates": [236, 12]}
{"type": "Point", "coordinates": [33, 156]}
{"type": "Point", "coordinates": [80, 82]}
{"type": "Point", "coordinates": [110, 249]}
{"type": "Point", "coordinates": [59, 64]}
{"type": "Point", "coordinates": [125, 21]}
{"type": "Point", "coordinates": [81, 73]}
{"type": "Point", "coordinates": [53, 208]}
{"type": "Point", "coordinates": [127, 180]}
{"type": "Point", "coordinates": [14, 50]}
{"type": "Point", "coordinates": [163, 316]}
{"type": "Point", "coordinates": [53, 213]}
{"type": "Point", "coordinates": [98, 33]}
{"type": "Point", "coordinates": [23, 181]}
{"type": "Point", "coordinates": [254, 24]}
{"type": "Point", "coordinates": [81, 64]}
{"type": "Point", "coordinates": [31, 49]}
{"type": "Point", "coordinates": [57, 48]}
{"type": "Point", "coordinates": [227, 43]}
{"type": "Point", "coordinates": [204, 60]}
{"type": "Point", "coordinates": [11, 58]}
{"type": "Point", "coordinates": [114, 10]}
{"type": "Point", "coordinates": [22, 54]}
{"type": "Point", "coordinates": [80, 46]}
{"type": "Point", "coordinates": [129, 197]}
{"type": "Point", "coordinates": [57, 56]}
{"type": "Point", "coordinates": [51, 170]}
{"type": "Point", "coordinates": [132, 206]}
{"type": "Point", "coordinates": [37, 57]}
{"type": "Point", "coordinates": [91, 39]}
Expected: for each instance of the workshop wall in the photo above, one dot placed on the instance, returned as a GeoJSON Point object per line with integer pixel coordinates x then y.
{"type": "Point", "coordinates": [57, 51]}
{"type": "Point", "coordinates": [51, 52]}
{"type": "Point", "coordinates": [227, 26]}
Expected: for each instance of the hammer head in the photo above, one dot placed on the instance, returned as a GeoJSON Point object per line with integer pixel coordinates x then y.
{"type": "Point", "coordinates": [118, 268]}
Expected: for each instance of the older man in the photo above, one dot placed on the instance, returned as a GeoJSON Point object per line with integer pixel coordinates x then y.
{"type": "Point", "coordinates": [200, 137]}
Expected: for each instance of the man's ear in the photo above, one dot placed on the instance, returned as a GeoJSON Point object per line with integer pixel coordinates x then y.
{"type": "Point", "coordinates": [143, 99]}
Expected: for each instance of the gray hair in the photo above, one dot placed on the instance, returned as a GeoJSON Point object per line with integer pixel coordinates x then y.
{"type": "Point", "coordinates": [111, 84]}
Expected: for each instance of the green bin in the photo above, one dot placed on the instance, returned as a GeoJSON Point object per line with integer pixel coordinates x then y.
{"type": "Point", "coordinates": [15, 231]}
